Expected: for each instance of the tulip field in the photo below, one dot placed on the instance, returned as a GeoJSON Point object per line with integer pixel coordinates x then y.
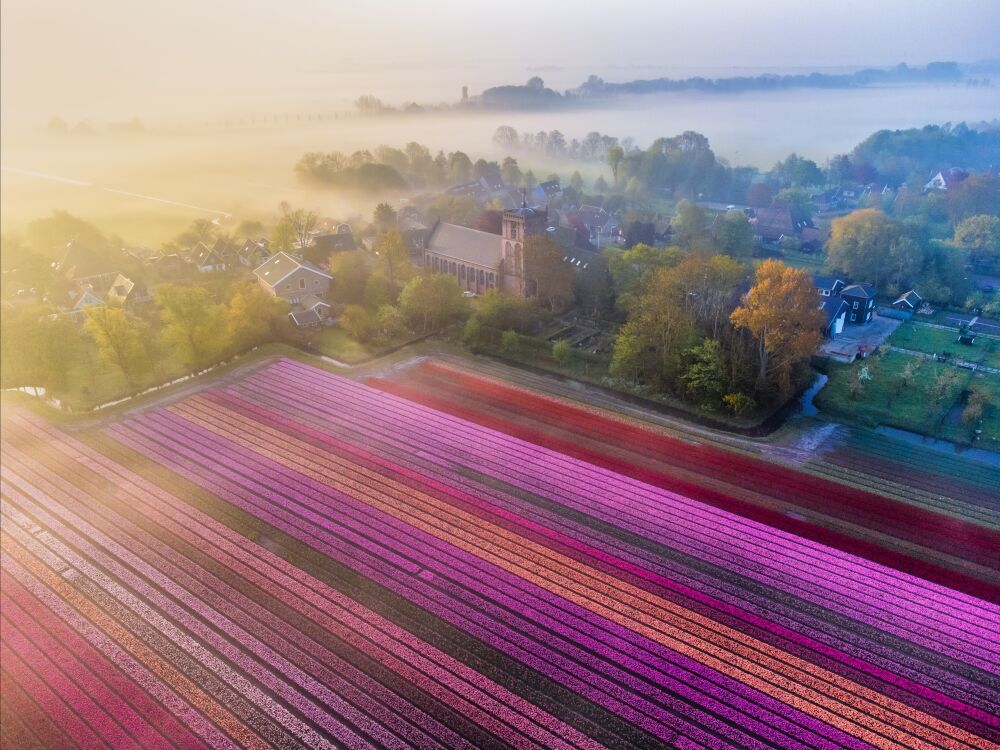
{"type": "Point", "coordinates": [296, 559]}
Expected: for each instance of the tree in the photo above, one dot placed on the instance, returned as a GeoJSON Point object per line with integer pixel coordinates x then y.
{"type": "Point", "coordinates": [630, 268]}
{"type": "Point", "coordinates": [430, 302]}
{"type": "Point", "coordinates": [501, 310]}
{"type": "Point", "coordinates": [705, 377]}
{"type": "Point", "coordinates": [358, 323]}
{"type": "Point", "coordinates": [858, 244]}
{"type": "Point", "coordinates": [379, 291]}
{"type": "Point", "coordinates": [689, 225]}
{"type": "Point", "coordinates": [249, 229]}
{"type": "Point", "coordinates": [576, 181]}
{"type": "Point", "coordinates": [120, 341]}
{"type": "Point", "coordinates": [37, 349]}
{"type": "Point", "coordinates": [510, 343]}
{"type": "Point", "coordinates": [282, 237]}
{"type": "Point", "coordinates": [490, 220]}
{"type": "Point", "coordinates": [980, 236]}
{"type": "Point", "coordinates": [50, 235]}
{"type": "Point", "coordinates": [781, 313]}
{"type": "Point", "coordinates": [300, 222]}
{"type": "Point", "coordinates": [548, 277]}
{"type": "Point", "coordinates": [459, 167]}
{"type": "Point", "coordinates": [616, 155]}
{"type": "Point", "coordinates": [738, 403]}
{"type": "Point", "coordinates": [601, 185]}
{"type": "Point", "coordinates": [510, 173]}
{"type": "Point", "coordinates": [394, 256]}
{"type": "Point", "coordinates": [562, 352]}
{"type": "Point", "coordinates": [384, 217]}
{"type": "Point", "coordinates": [530, 180]}
{"type": "Point", "coordinates": [194, 326]}
{"type": "Point", "coordinates": [350, 273]}
{"type": "Point", "coordinates": [734, 235]}
{"type": "Point", "coordinates": [255, 317]}
{"type": "Point", "coordinates": [977, 401]}
{"type": "Point", "coordinates": [506, 137]}
{"type": "Point", "coordinates": [390, 324]}
{"type": "Point", "coordinates": [797, 172]}
{"type": "Point", "coordinates": [472, 332]}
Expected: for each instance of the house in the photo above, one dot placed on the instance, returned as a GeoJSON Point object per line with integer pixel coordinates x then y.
{"type": "Point", "coordinates": [908, 302]}
{"type": "Point", "coordinates": [482, 260]}
{"type": "Point", "coordinates": [310, 311]}
{"type": "Point", "coordinates": [835, 310]}
{"type": "Point", "coordinates": [546, 191]}
{"type": "Point", "coordinates": [945, 179]}
{"type": "Point", "coordinates": [813, 238]}
{"type": "Point", "coordinates": [324, 244]}
{"type": "Point", "coordinates": [126, 293]}
{"type": "Point", "coordinates": [292, 278]}
{"type": "Point", "coordinates": [170, 266]}
{"type": "Point", "coordinates": [601, 228]}
{"type": "Point", "coordinates": [82, 265]}
{"type": "Point", "coordinates": [80, 297]}
{"type": "Point", "coordinates": [860, 299]}
{"type": "Point", "coordinates": [771, 224]}
{"type": "Point", "coordinates": [827, 286]}
{"type": "Point", "coordinates": [208, 259]}
{"type": "Point", "coordinates": [253, 253]}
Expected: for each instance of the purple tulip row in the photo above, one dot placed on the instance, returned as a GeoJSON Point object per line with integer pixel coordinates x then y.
{"type": "Point", "coordinates": [765, 610]}
{"type": "Point", "coordinates": [510, 717]}
{"type": "Point", "coordinates": [266, 482]}
{"type": "Point", "coordinates": [931, 696]}
{"type": "Point", "coordinates": [455, 600]}
{"type": "Point", "coordinates": [476, 444]}
{"type": "Point", "coordinates": [910, 608]}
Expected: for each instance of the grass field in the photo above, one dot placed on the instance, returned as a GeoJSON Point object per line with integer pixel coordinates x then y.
{"type": "Point", "coordinates": [886, 400]}
{"type": "Point", "coordinates": [335, 342]}
{"type": "Point", "coordinates": [923, 338]}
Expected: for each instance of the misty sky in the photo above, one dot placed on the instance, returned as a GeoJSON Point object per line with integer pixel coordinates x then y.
{"type": "Point", "coordinates": [114, 58]}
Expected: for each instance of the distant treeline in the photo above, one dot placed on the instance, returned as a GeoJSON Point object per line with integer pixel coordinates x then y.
{"type": "Point", "coordinates": [534, 95]}
{"type": "Point", "coordinates": [937, 72]}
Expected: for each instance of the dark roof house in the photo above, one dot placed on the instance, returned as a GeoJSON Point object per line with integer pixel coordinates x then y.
{"type": "Point", "coordinates": [908, 301]}
{"type": "Point", "coordinates": [861, 302]}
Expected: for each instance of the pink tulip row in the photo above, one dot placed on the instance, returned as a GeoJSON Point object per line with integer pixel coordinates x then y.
{"type": "Point", "coordinates": [508, 716]}
{"type": "Point", "coordinates": [220, 449]}
{"type": "Point", "coordinates": [254, 478]}
{"type": "Point", "coordinates": [344, 411]}
{"type": "Point", "coordinates": [931, 640]}
{"type": "Point", "coordinates": [494, 510]}
{"type": "Point", "coordinates": [910, 608]}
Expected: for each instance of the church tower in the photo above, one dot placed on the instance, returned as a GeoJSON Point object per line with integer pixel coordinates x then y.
{"type": "Point", "coordinates": [512, 232]}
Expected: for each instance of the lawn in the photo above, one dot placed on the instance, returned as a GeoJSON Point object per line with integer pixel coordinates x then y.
{"type": "Point", "coordinates": [886, 399]}
{"type": "Point", "coordinates": [335, 342]}
{"type": "Point", "coordinates": [923, 338]}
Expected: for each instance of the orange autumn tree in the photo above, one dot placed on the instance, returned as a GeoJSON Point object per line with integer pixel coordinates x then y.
{"type": "Point", "coordinates": [782, 313]}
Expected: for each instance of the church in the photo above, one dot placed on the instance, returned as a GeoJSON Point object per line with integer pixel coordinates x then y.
{"type": "Point", "coordinates": [482, 260]}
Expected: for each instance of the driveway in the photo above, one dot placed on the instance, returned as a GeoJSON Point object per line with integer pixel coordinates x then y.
{"type": "Point", "coordinates": [845, 345]}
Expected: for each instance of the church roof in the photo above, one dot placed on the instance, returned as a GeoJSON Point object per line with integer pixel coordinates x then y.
{"type": "Point", "coordinates": [465, 245]}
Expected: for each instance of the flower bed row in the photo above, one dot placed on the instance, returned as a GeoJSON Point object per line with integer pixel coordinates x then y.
{"type": "Point", "coordinates": [266, 646]}
{"type": "Point", "coordinates": [819, 524]}
{"type": "Point", "coordinates": [810, 493]}
{"type": "Point", "coordinates": [487, 592]}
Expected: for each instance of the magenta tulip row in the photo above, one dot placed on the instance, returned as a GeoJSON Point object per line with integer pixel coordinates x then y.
{"type": "Point", "coordinates": [941, 619]}
{"type": "Point", "coordinates": [252, 477]}
{"type": "Point", "coordinates": [494, 510]}
{"type": "Point", "coordinates": [162, 583]}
